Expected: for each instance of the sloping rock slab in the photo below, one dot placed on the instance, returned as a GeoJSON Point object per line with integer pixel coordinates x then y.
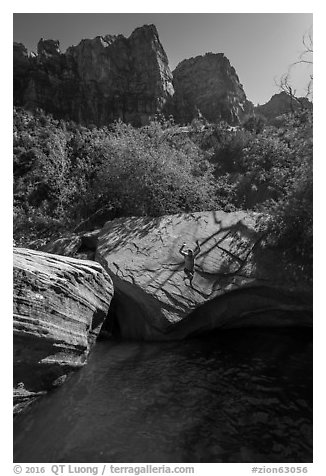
{"type": "Point", "coordinates": [60, 304]}
{"type": "Point", "coordinates": [64, 246]}
{"type": "Point", "coordinates": [151, 297]}
{"type": "Point", "coordinates": [74, 245]}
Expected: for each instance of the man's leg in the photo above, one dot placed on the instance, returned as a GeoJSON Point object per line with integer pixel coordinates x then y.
{"type": "Point", "coordinates": [189, 275]}
{"type": "Point", "coordinates": [191, 278]}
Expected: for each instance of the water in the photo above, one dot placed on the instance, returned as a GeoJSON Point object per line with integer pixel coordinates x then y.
{"type": "Point", "coordinates": [236, 396]}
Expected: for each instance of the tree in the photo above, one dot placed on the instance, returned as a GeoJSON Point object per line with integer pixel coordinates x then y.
{"type": "Point", "coordinates": [70, 177]}
{"type": "Point", "coordinates": [285, 82]}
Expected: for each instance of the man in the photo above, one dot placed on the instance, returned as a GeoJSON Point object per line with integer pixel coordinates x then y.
{"type": "Point", "coordinates": [189, 260]}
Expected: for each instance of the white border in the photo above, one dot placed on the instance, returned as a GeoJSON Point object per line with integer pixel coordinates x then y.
{"type": "Point", "coordinates": [168, 6]}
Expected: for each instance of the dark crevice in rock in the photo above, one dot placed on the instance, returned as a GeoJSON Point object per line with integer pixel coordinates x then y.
{"type": "Point", "coordinates": [111, 326]}
{"type": "Point", "coordinates": [256, 307]}
{"type": "Point", "coordinates": [251, 307]}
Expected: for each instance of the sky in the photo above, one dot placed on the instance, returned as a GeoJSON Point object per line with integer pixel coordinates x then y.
{"type": "Point", "coordinates": [260, 46]}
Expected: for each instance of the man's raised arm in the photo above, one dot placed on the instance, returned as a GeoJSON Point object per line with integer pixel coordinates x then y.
{"type": "Point", "coordinates": [181, 250]}
{"type": "Point", "coordinates": [197, 249]}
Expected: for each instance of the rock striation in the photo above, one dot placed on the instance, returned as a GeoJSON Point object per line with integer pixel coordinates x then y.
{"type": "Point", "coordinates": [208, 86]}
{"type": "Point", "coordinates": [60, 304]}
{"type": "Point", "coordinates": [98, 81]}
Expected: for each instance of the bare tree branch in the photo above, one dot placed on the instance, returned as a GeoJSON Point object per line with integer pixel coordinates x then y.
{"type": "Point", "coordinates": [284, 82]}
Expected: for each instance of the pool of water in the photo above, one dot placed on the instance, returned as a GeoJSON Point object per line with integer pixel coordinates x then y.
{"type": "Point", "coordinates": [233, 396]}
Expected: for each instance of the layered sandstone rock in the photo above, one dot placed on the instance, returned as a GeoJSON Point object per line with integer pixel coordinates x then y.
{"type": "Point", "coordinates": [239, 282]}
{"type": "Point", "coordinates": [99, 80]}
{"type": "Point", "coordinates": [59, 307]}
{"type": "Point", "coordinates": [208, 85]}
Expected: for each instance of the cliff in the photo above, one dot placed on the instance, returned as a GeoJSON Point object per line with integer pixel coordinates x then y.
{"type": "Point", "coordinates": [282, 103]}
{"type": "Point", "coordinates": [112, 77]}
{"type": "Point", "coordinates": [208, 85]}
{"type": "Point", "coordinates": [98, 81]}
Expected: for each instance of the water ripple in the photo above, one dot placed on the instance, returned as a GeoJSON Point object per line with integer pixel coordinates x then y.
{"type": "Point", "coordinates": [237, 396]}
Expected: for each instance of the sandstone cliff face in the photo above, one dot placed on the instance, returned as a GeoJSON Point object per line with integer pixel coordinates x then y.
{"type": "Point", "coordinates": [208, 85]}
{"type": "Point", "coordinates": [21, 66]}
{"type": "Point", "coordinates": [112, 77]}
{"type": "Point", "coordinates": [59, 307]}
{"type": "Point", "coordinates": [99, 80]}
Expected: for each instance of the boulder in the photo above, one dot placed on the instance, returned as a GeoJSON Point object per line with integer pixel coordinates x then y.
{"type": "Point", "coordinates": [239, 281]}
{"type": "Point", "coordinates": [60, 304]}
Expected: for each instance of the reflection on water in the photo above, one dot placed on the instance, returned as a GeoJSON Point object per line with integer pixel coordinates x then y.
{"type": "Point", "coordinates": [236, 396]}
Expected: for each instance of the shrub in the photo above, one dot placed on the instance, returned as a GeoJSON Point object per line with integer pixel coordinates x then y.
{"type": "Point", "coordinates": [254, 123]}
{"type": "Point", "coordinates": [65, 175]}
{"type": "Point", "coordinates": [68, 176]}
